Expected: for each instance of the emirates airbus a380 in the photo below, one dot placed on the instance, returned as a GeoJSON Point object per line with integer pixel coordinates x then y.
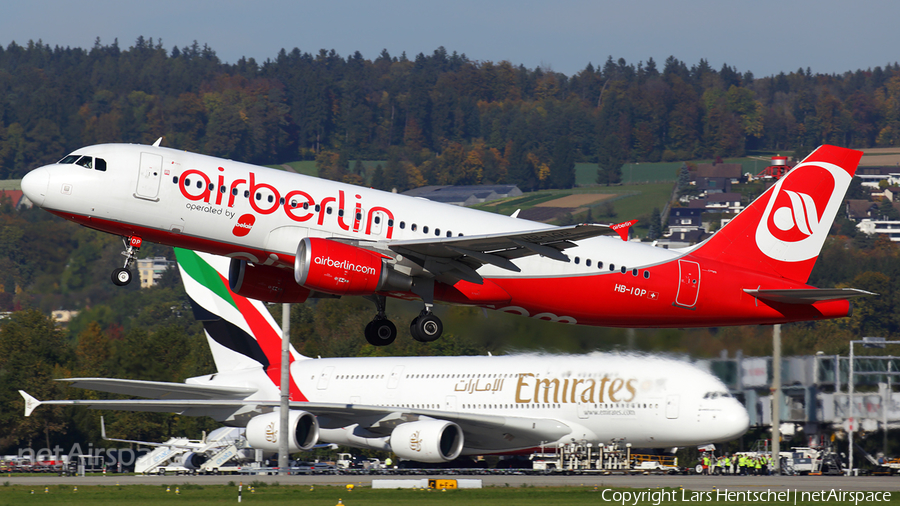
{"type": "Point", "coordinates": [291, 237]}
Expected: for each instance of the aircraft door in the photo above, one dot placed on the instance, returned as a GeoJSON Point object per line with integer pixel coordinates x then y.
{"type": "Point", "coordinates": [149, 176]}
{"type": "Point", "coordinates": [688, 283]}
{"type": "Point", "coordinates": [450, 403]}
{"type": "Point", "coordinates": [582, 410]}
{"type": "Point", "coordinates": [396, 374]}
{"type": "Point", "coordinates": [672, 406]}
{"type": "Point", "coordinates": [324, 376]}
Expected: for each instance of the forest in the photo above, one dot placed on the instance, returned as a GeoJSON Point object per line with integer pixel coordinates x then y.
{"type": "Point", "coordinates": [432, 119]}
{"type": "Point", "coordinates": [435, 119]}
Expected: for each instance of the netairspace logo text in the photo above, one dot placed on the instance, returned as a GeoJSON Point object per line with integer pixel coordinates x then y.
{"type": "Point", "coordinates": [768, 496]}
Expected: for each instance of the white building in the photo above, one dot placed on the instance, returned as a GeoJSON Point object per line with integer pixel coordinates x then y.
{"type": "Point", "coordinates": [152, 269]}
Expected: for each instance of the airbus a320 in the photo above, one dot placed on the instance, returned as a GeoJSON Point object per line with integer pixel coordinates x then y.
{"type": "Point", "coordinates": [291, 237]}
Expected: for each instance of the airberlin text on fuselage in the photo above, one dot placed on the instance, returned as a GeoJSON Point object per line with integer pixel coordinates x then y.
{"type": "Point", "coordinates": [297, 205]}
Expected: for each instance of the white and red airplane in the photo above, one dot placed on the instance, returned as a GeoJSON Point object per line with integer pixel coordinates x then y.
{"type": "Point", "coordinates": [291, 237]}
{"type": "Point", "coordinates": [426, 409]}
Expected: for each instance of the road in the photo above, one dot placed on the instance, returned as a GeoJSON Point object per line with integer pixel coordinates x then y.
{"type": "Point", "coordinates": [775, 483]}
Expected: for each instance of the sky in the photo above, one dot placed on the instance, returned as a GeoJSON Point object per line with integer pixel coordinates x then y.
{"type": "Point", "coordinates": [762, 36]}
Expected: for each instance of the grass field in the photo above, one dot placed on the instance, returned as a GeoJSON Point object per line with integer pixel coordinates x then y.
{"type": "Point", "coordinates": [136, 495]}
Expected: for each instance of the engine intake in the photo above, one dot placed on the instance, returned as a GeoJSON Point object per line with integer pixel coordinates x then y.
{"type": "Point", "coordinates": [427, 441]}
{"type": "Point", "coordinates": [264, 282]}
{"type": "Point", "coordinates": [334, 267]}
{"type": "Point", "coordinates": [193, 460]}
{"type": "Point", "coordinates": [303, 429]}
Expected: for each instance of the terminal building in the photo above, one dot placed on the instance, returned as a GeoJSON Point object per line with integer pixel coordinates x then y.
{"type": "Point", "coordinates": [815, 390]}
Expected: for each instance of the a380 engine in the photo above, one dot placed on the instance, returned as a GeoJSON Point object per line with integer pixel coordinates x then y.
{"type": "Point", "coordinates": [264, 282]}
{"type": "Point", "coordinates": [427, 441]}
{"type": "Point", "coordinates": [342, 269]}
{"type": "Point", "coordinates": [303, 430]}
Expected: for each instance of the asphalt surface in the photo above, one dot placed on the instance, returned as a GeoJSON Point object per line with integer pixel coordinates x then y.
{"type": "Point", "coordinates": [758, 483]}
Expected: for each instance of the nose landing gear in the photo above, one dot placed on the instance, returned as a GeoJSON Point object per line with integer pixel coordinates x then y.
{"type": "Point", "coordinates": [122, 276]}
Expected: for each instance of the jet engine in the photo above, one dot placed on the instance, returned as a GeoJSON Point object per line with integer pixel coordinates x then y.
{"type": "Point", "coordinates": [193, 460]}
{"type": "Point", "coordinates": [303, 430]}
{"type": "Point", "coordinates": [343, 269]}
{"type": "Point", "coordinates": [264, 282]}
{"type": "Point", "coordinates": [427, 441]}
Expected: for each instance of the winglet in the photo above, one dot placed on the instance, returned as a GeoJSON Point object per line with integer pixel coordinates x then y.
{"type": "Point", "coordinates": [623, 228]}
{"type": "Point", "coordinates": [30, 402]}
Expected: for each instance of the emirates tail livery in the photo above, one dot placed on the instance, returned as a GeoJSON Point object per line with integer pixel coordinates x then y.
{"type": "Point", "coordinates": [426, 409]}
{"type": "Point", "coordinates": [291, 237]}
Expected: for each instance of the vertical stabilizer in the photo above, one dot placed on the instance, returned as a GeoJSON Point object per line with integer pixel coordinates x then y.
{"type": "Point", "coordinates": [783, 231]}
{"type": "Point", "coordinates": [241, 332]}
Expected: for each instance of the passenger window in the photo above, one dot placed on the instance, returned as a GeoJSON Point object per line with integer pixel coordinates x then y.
{"type": "Point", "coordinates": [624, 269]}
{"type": "Point", "coordinates": [449, 234]}
{"type": "Point", "coordinates": [634, 272]}
{"type": "Point", "coordinates": [100, 164]}
{"type": "Point", "coordinates": [646, 274]}
{"type": "Point", "coordinates": [199, 184]}
{"type": "Point", "coordinates": [612, 267]}
{"type": "Point", "coordinates": [425, 229]}
{"type": "Point", "coordinates": [577, 260]}
{"type": "Point", "coordinates": [327, 210]}
{"type": "Point", "coordinates": [340, 212]}
{"type": "Point", "coordinates": [413, 227]}
{"type": "Point", "coordinates": [402, 225]}
{"type": "Point", "coordinates": [390, 223]}
{"type": "Point", "coordinates": [358, 216]}
{"type": "Point", "coordinates": [246, 193]}
{"type": "Point", "coordinates": [437, 232]}
{"type": "Point", "coordinates": [599, 265]}
{"type": "Point", "coordinates": [587, 262]}
{"type": "Point", "coordinates": [212, 187]}
{"type": "Point", "coordinates": [175, 179]}
{"type": "Point", "coordinates": [377, 220]}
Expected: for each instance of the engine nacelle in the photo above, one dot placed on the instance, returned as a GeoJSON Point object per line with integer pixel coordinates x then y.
{"type": "Point", "coordinates": [303, 430]}
{"type": "Point", "coordinates": [193, 460]}
{"type": "Point", "coordinates": [264, 282]}
{"type": "Point", "coordinates": [334, 267]}
{"type": "Point", "coordinates": [427, 441]}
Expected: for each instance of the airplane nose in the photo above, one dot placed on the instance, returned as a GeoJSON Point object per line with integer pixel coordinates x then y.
{"type": "Point", "coordinates": [737, 421]}
{"type": "Point", "coordinates": [34, 185]}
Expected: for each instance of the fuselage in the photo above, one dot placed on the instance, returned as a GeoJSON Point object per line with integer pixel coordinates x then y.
{"type": "Point", "coordinates": [260, 214]}
{"type": "Point", "coordinates": [651, 401]}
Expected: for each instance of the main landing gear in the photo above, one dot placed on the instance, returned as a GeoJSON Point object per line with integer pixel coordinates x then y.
{"type": "Point", "coordinates": [122, 276]}
{"type": "Point", "coordinates": [380, 331]}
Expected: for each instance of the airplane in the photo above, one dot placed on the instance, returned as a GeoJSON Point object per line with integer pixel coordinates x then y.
{"type": "Point", "coordinates": [291, 237]}
{"type": "Point", "coordinates": [425, 409]}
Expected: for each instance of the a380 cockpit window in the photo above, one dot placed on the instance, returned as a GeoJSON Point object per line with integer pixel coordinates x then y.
{"type": "Point", "coordinates": [716, 395]}
{"type": "Point", "coordinates": [88, 162]}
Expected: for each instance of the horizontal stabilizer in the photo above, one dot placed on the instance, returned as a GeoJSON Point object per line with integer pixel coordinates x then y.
{"type": "Point", "coordinates": [806, 295]}
{"type": "Point", "coordinates": [159, 389]}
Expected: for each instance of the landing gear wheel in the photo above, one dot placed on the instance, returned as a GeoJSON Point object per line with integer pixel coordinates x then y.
{"type": "Point", "coordinates": [380, 332]}
{"type": "Point", "coordinates": [121, 277]}
{"type": "Point", "coordinates": [426, 328]}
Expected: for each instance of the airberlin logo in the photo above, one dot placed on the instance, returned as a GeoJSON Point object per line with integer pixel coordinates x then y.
{"type": "Point", "coordinates": [243, 225]}
{"type": "Point", "coordinates": [801, 206]}
{"type": "Point", "coordinates": [345, 265]}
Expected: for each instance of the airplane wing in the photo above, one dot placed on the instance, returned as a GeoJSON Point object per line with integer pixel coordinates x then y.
{"type": "Point", "coordinates": [481, 432]}
{"type": "Point", "coordinates": [160, 389]}
{"type": "Point", "coordinates": [461, 255]}
{"type": "Point", "coordinates": [806, 295]}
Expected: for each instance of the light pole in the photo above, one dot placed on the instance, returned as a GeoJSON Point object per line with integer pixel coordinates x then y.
{"type": "Point", "coordinates": [284, 431]}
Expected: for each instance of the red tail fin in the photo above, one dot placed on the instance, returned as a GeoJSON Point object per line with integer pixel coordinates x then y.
{"type": "Point", "coordinates": [784, 229]}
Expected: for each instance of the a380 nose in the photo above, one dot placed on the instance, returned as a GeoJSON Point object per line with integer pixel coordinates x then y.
{"type": "Point", "coordinates": [34, 185]}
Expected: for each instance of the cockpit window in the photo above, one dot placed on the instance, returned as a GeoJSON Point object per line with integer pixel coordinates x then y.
{"type": "Point", "coordinates": [716, 395]}
{"type": "Point", "coordinates": [88, 162]}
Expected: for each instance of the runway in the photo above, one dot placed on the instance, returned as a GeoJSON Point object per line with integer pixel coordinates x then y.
{"type": "Point", "coordinates": [758, 483]}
